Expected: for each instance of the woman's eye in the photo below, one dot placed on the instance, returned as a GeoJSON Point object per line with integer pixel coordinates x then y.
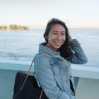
{"type": "Point", "coordinates": [62, 33]}
{"type": "Point", "coordinates": [54, 33]}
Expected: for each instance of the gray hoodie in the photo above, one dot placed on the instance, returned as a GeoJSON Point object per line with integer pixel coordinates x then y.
{"type": "Point", "coordinates": [53, 71]}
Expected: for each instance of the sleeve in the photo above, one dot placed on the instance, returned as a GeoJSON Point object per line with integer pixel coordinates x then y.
{"type": "Point", "coordinates": [78, 56]}
{"type": "Point", "coordinates": [46, 79]}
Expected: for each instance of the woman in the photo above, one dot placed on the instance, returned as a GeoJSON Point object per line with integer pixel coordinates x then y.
{"type": "Point", "coordinates": [52, 63]}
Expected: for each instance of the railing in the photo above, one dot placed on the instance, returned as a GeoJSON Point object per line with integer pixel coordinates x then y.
{"type": "Point", "coordinates": [82, 71]}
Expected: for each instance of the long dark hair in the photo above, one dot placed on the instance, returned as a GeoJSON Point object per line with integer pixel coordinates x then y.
{"type": "Point", "coordinates": [65, 48]}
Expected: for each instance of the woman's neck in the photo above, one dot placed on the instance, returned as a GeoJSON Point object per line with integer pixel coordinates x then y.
{"type": "Point", "coordinates": [51, 47]}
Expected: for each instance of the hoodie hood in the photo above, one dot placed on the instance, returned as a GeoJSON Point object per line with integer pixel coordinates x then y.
{"type": "Point", "coordinates": [45, 49]}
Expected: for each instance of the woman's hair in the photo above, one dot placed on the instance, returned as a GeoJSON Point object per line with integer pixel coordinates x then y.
{"type": "Point", "coordinates": [64, 49]}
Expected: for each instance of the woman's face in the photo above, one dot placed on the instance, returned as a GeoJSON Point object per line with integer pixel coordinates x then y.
{"type": "Point", "coordinates": [56, 37]}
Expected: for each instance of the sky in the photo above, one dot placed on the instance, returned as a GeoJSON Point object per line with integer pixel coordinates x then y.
{"type": "Point", "coordinates": [36, 13]}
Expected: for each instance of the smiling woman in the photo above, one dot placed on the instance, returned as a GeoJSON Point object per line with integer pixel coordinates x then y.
{"type": "Point", "coordinates": [56, 37]}
{"type": "Point", "coordinates": [18, 48]}
{"type": "Point", "coordinates": [52, 63]}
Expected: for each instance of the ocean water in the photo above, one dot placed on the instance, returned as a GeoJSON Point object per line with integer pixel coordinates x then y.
{"type": "Point", "coordinates": [21, 47]}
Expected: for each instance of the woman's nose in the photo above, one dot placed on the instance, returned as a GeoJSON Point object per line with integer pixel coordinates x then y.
{"type": "Point", "coordinates": [59, 37]}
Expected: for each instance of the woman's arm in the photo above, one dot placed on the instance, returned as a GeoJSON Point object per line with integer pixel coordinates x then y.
{"type": "Point", "coordinates": [46, 79]}
{"type": "Point", "coordinates": [78, 56]}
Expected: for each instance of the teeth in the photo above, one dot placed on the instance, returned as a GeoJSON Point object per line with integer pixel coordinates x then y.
{"type": "Point", "coordinates": [58, 43]}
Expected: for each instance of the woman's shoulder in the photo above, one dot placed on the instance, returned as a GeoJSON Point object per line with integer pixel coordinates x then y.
{"type": "Point", "coordinates": [41, 62]}
{"type": "Point", "coordinates": [42, 57]}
